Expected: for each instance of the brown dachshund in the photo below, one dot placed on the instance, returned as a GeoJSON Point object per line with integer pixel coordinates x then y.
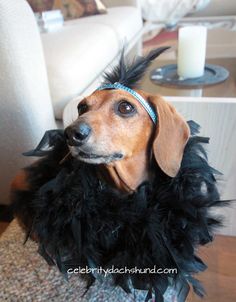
{"type": "Point", "coordinates": [122, 185]}
{"type": "Point", "coordinates": [114, 131]}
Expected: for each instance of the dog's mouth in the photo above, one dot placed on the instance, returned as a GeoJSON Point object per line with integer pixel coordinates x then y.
{"type": "Point", "coordinates": [98, 159]}
{"type": "Point", "coordinates": [95, 158]}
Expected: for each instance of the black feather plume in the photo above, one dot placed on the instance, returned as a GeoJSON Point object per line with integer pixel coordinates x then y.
{"type": "Point", "coordinates": [129, 74]}
{"type": "Point", "coordinates": [78, 219]}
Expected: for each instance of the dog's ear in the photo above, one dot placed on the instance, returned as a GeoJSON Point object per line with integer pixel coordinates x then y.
{"type": "Point", "coordinates": [172, 134]}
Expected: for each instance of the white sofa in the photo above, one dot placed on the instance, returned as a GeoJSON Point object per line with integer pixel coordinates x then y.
{"type": "Point", "coordinates": [40, 74]}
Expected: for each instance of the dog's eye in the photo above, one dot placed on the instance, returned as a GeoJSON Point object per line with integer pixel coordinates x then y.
{"type": "Point", "coordinates": [125, 108]}
{"type": "Point", "coordinates": [82, 108]}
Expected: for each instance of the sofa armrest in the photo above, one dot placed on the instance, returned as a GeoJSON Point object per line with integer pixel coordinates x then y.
{"type": "Point", "coordinates": [112, 3]}
{"type": "Point", "coordinates": [25, 109]}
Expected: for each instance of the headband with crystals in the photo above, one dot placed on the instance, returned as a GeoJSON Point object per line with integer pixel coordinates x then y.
{"type": "Point", "coordinates": [138, 97]}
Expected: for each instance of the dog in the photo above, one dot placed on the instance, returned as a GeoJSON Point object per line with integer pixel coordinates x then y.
{"type": "Point", "coordinates": [114, 131]}
{"type": "Point", "coordinates": [126, 184]}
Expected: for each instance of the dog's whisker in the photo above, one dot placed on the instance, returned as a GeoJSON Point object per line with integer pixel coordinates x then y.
{"type": "Point", "coordinates": [65, 158]}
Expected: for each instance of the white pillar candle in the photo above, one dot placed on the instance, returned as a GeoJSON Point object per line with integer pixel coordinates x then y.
{"type": "Point", "coordinates": [191, 51]}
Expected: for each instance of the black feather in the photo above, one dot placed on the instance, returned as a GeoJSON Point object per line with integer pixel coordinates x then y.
{"type": "Point", "coordinates": [50, 138]}
{"type": "Point", "coordinates": [129, 74]}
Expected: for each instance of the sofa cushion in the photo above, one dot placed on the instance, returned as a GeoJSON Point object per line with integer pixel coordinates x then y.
{"type": "Point", "coordinates": [79, 52]}
{"type": "Point", "coordinates": [125, 21]}
{"type": "Point", "coordinates": [74, 57]}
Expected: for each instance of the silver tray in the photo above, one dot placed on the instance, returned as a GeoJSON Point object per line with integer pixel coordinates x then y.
{"type": "Point", "coordinates": [167, 76]}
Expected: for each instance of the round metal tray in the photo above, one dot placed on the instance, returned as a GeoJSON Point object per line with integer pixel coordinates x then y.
{"type": "Point", "coordinates": [167, 76]}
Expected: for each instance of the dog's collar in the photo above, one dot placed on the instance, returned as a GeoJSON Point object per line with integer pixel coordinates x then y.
{"type": "Point", "coordinates": [138, 97]}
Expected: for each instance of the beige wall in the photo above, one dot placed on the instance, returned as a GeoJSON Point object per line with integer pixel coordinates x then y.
{"type": "Point", "coordinates": [219, 8]}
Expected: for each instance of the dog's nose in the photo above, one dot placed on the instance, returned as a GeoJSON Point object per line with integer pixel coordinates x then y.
{"type": "Point", "coordinates": [76, 135]}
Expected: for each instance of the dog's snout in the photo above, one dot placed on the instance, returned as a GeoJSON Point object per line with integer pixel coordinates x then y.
{"type": "Point", "coordinates": [77, 134]}
{"type": "Point", "coordinates": [82, 131]}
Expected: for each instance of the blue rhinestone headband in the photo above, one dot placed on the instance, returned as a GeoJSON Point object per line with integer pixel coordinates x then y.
{"type": "Point", "coordinates": [141, 100]}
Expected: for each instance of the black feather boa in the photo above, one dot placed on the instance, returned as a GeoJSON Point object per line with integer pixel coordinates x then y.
{"type": "Point", "coordinates": [78, 219]}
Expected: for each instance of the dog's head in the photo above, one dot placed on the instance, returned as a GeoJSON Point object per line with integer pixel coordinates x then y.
{"type": "Point", "coordinates": [113, 128]}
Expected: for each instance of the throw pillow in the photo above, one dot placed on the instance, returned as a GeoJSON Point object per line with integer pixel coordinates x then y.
{"type": "Point", "coordinates": [71, 9]}
{"type": "Point", "coordinates": [39, 6]}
